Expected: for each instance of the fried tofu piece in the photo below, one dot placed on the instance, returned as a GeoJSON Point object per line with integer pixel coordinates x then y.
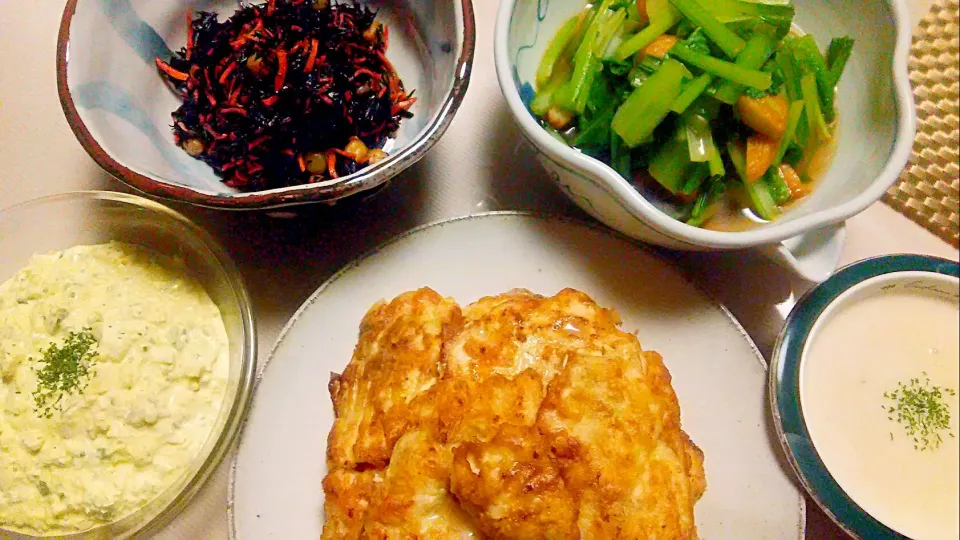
{"type": "Point", "coordinates": [518, 417]}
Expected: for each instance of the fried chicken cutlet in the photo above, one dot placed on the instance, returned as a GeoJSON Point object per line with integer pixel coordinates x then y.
{"type": "Point", "coordinates": [518, 416]}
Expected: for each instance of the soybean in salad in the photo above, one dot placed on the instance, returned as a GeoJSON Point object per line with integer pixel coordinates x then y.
{"type": "Point", "coordinates": [719, 111]}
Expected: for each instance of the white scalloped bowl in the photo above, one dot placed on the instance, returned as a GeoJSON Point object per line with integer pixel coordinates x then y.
{"type": "Point", "coordinates": [876, 131]}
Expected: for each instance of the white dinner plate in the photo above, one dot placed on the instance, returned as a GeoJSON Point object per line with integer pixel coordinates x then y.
{"type": "Point", "coordinates": [719, 376]}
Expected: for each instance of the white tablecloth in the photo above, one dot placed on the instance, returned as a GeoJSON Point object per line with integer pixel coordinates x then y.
{"type": "Point", "coordinates": [479, 165]}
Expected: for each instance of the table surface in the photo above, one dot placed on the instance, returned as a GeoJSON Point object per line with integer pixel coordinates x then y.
{"type": "Point", "coordinates": [480, 165]}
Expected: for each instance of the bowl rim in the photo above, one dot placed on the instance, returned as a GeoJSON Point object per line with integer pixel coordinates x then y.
{"type": "Point", "coordinates": [362, 180]}
{"type": "Point", "coordinates": [784, 380]}
{"type": "Point", "coordinates": [630, 200]}
{"type": "Point", "coordinates": [227, 438]}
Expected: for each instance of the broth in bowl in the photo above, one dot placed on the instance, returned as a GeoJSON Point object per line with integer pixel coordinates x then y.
{"type": "Point", "coordinates": [736, 215]}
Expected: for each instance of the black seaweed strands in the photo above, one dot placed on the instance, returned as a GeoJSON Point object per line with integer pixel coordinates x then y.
{"type": "Point", "coordinates": [285, 93]}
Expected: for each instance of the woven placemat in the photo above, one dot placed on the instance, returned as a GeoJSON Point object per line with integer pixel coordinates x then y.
{"type": "Point", "coordinates": [928, 191]}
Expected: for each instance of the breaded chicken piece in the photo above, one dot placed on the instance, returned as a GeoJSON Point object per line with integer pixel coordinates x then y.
{"type": "Point", "coordinates": [348, 495]}
{"type": "Point", "coordinates": [612, 422]}
{"type": "Point", "coordinates": [475, 411]}
{"type": "Point", "coordinates": [415, 500]}
{"type": "Point", "coordinates": [395, 361]}
{"type": "Point", "coordinates": [410, 498]}
{"type": "Point", "coordinates": [606, 457]}
{"type": "Point", "coordinates": [512, 487]}
{"type": "Point", "coordinates": [519, 330]}
{"type": "Point", "coordinates": [521, 417]}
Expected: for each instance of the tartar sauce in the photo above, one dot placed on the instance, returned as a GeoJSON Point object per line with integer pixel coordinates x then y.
{"type": "Point", "coordinates": [148, 406]}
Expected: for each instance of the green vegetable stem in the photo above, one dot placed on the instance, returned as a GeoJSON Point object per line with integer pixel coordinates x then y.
{"type": "Point", "coordinates": [730, 43]}
{"type": "Point", "coordinates": [668, 92]}
{"type": "Point", "coordinates": [648, 105]}
{"type": "Point", "coordinates": [721, 68]}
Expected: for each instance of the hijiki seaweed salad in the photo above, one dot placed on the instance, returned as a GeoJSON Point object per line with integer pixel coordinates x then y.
{"type": "Point", "coordinates": [718, 111]}
{"type": "Point", "coordinates": [287, 92]}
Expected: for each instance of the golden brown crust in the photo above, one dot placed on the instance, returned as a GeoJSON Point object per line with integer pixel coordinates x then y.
{"type": "Point", "coordinates": [396, 360]}
{"type": "Point", "coordinates": [519, 417]}
{"type": "Point", "coordinates": [512, 488]}
{"type": "Point", "coordinates": [614, 425]}
{"type": "Point", "coordinates": [475, 411]}
{"type": "Point", "coordinates": [348, 495]}
{"type": "Point", "coordinates": [410, 498]}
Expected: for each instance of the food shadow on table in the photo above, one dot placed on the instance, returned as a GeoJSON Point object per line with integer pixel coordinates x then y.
{"type": "Point", "coordinates": [513, 177]}
{"type": "Point", "coordinates": [284, 259]}
{"type": "Point", "coordinates": [295, 249]}
{"type": "Point", "coordinates": [758, 291]}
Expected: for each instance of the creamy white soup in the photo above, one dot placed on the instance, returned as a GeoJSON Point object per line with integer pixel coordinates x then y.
{"type": "Point", "coordinates": [852, 370]}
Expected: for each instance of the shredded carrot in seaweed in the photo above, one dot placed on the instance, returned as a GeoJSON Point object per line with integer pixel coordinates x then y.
{"type": "Point", "coordinates": [279, 80]}
{"type": "Point", "coordinates": [314, 44]}
{"type": "Point", "coordinates": [332, 163]}
{"type": "Point", "coordinates": [170, 72]}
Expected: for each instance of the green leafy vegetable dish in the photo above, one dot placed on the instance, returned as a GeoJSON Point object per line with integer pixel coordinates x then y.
{"type": "Point", "coordinates": [719, 111]}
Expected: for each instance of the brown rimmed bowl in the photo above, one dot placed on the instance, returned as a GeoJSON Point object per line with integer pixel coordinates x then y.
{"type": "Point", "coordinates": [119, 107]}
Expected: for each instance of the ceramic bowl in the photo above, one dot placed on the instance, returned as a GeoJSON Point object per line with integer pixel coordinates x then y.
{"type": "Point", "coordinates": [119, 108]}
{"type": "Point", "coordinates": [876, 131]}
{"type": "Point", "coordinates": [888, 275]}
{"type": "Point", "coordinates": [62, 221]}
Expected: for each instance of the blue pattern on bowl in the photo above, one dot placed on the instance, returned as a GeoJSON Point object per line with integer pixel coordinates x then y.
{"type": "Point", "coordinates": [135, 32]}
{"type": "Point", "coordinates": [109, 98]}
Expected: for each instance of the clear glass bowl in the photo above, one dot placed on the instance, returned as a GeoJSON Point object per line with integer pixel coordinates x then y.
{"type": "Point", "coordinates": [63, 221]}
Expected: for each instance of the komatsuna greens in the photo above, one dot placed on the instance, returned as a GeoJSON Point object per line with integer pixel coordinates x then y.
{"type": "Point", "coordinates": [707, 105]}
